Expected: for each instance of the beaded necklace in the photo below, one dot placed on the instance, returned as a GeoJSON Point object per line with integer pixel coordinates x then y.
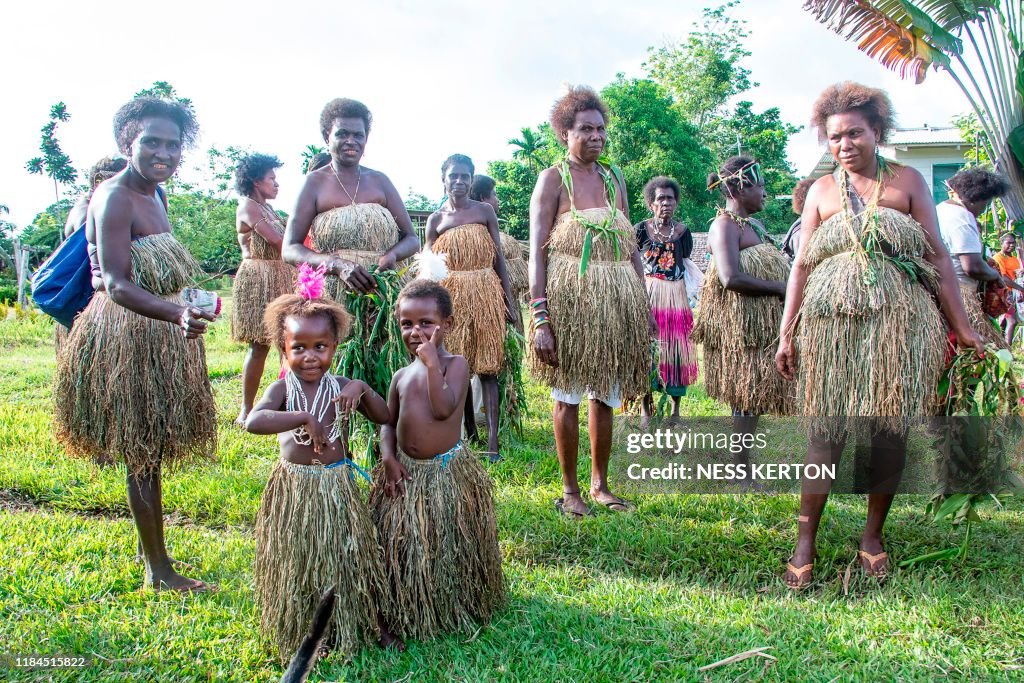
{"type": "Point", "coordinates": [295, 400]}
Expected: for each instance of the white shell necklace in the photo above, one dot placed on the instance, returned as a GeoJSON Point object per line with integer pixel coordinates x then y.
{"type": "Point", "coordinates": [295, 400]}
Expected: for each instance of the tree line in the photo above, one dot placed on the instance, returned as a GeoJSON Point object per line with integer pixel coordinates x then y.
{"type": "Point", "coordinates": [676, 120]}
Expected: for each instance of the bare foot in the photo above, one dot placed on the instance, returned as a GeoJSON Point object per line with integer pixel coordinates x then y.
{"type": "Point", "coordinates": [873, 558]}
{"type": "Point", "coordinates": [173, 581]}
{"type": "Point", "coordinates": [571, 505]}
{"type": "Point", "coordinates": [242, 417]}
{"type": "Point", "coordinates": [610, 500]}
{"type": "Point", "coordinates": [175, 564]}
{"type": "Point", "coordinates": [800, 569]}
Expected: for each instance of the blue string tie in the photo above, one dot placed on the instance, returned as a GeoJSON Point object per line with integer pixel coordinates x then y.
{"type": "Point", "coordinates": [352, 466]}
{"type": "Point", "coordinates": [449, 454]}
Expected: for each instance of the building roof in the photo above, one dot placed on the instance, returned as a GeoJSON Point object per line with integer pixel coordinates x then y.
{"type": "Point", "coordinates": [902, 138]}
{"type": "Point", "coordinates": [925, 136]}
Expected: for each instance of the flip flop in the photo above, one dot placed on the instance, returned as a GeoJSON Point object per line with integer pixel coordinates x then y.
{"type": "Point", "coordinates": [799, 573]}
{"type": "Point", "coordinates": [878, 573]}
{"type": "Point", "coordinates": [618, 505]}
{"type": "Point", "coordinates": [571, 514]}
{"type": "Point", "coordinates": [492, 456]}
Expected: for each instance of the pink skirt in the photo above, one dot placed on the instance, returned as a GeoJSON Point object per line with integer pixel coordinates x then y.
{"type": "Point", "coordinates": [677, 358]}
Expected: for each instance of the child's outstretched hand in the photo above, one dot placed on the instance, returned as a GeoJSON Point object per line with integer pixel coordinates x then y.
{"type": "Point", "coordinates": [317, 435]}
{"type": "Point", "coordinates": [351, 396]}
{"type": "Point", "coordinates": [395, 476]}
{"type": "Point", "coordinates": [427, 351]}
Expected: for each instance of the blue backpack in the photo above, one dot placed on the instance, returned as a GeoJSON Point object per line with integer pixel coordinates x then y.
{"type": "Point", "coordinates": [62, 286]}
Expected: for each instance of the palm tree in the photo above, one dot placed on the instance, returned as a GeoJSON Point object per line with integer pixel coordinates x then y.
{"type": "Point", "coordinates": [528, 148]}
{"type": "Point", "coordinates": [908, 37]}
{"type": "Point", "coordinates": [54, 162]}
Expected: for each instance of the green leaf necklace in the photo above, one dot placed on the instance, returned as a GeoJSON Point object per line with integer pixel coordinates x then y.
{"type": "Point", "coordinates": [605, 228]}
{"type": "Point", "coordinates": [868, 245]}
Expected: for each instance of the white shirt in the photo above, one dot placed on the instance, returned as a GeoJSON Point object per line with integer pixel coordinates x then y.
{"type": "Point", "coordinates": [959, 231]}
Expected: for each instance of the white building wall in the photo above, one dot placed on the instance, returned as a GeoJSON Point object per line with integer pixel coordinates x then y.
{"type": "Point", "coordinates": [923, 158]}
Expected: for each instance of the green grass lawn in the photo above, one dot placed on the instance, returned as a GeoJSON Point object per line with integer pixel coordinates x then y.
{"type": "Point", "coordinates": [683, 582]}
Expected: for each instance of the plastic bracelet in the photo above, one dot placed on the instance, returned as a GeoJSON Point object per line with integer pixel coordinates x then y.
{"type": "Point", "coordinates": [541, 322]}
{"type": "Point", "coordinates": [541, 314]}
{"type": "Point", "coordinates": [534, 303]}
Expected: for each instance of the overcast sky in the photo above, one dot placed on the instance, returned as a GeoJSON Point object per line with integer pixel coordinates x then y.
{"type": "Point", "coordinates": [441, 76]}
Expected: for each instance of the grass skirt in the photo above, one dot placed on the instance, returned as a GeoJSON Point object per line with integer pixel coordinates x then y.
{"type": "Point", "coordinates": [740, 336]}
{"type": "Point", "coordinates": [131, 387]}
{"type": "Point", "coordinates": [981, 323]}
{"type": "Point", "coordinates": [515, 264]}
{"type": "Point", "coordinates": [599, 320]}
{"type": "Point", "coordinates": [314, 531]}
{"type": "Point", "coordinates": [867, 350]}
{"type": "Point", "coordinates": [478, 301]}
{"type": "Point", "coordinates": [440, 540]}
{"type": "Point", "coordinates": [677, 359]}
{"type": "Point", "coordinates": [257, 283]}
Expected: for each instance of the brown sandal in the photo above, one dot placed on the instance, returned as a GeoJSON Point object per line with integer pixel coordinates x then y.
{"type": "Point", "coordinates": [878, 573]}
{"type": "Point", "coordinates": [799, 573]}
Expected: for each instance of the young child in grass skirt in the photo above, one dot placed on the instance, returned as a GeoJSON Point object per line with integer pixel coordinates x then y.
{"type": "Point", "coordinates": [313, 530]}
{"type": "Point", "coordinates": [131, 387]}
{"type": "Point", "coordinates": [432, 502]}
{"type": "Point", "coordinates": [739, 327]}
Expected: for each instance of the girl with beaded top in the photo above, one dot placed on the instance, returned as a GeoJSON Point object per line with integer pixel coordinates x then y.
{"type": "Point", "coordinates": [313, 530]}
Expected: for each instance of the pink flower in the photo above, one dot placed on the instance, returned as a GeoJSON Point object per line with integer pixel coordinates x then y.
{"type": "Point", "coordinates": [311, 281]}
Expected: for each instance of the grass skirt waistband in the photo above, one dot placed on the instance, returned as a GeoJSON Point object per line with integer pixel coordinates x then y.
{"type": "Point", "coordinates": [441, 556]}
{"type": "Point", "coordinates": [314, 531]}
{"type": "Point", "coordinates": [132, 388]}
